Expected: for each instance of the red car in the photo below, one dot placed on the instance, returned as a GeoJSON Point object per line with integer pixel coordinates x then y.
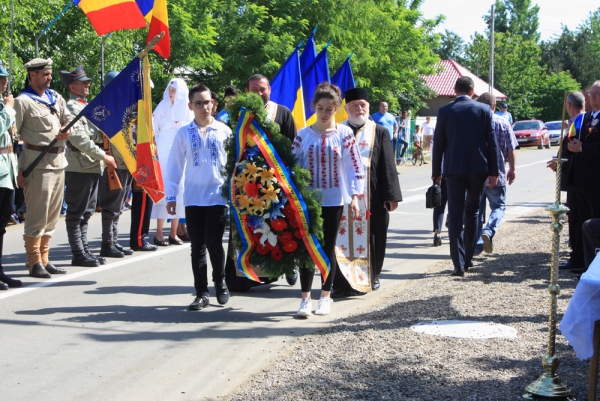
{"type": "Point", "coordinates": [532, 133]}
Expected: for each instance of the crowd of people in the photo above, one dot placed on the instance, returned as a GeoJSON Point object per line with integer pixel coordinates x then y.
{"type": "Point", "coordinates": [353, 165]}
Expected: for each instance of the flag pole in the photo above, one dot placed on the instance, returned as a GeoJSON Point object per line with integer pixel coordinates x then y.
{"type": "Point", "coordinates": [12, 31]}
{"type": "Point", "coordinates": [43, 153]}
{"type": "Point", "coordinates": [102, 60]}
{"type": "Point", "coordinates": [37, 38]}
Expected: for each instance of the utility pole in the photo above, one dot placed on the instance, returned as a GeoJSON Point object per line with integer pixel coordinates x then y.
{"type": "Point", "coordinates": [491, 78]}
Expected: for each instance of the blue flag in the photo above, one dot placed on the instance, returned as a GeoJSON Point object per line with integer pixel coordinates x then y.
{"type": "Point", "coordinates": [344, 79]}
{"type": "Point", "coordinates": [315, 74]}
{"type": "Point", "coordinates": [308, 56]}
{"type": "Point", "coordinates": [286, 88]}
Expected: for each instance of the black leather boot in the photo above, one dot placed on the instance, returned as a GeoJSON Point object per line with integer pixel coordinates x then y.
{"type": "Point", "coordinates": [110, 251]}
{"type": "Point", "coordinates": [120, 248]}
{"type": "Point", "coordinates": [10, 282]}
{"type": "Point", "coordinates": [84, 260]}
{"type": "Point", "coordinates": [38, 271]}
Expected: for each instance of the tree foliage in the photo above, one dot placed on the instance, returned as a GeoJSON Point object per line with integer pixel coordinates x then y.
{"type": "Point", "coordinates": [451, 47]}
{"type": "Point", "coordinates": [517, 17]}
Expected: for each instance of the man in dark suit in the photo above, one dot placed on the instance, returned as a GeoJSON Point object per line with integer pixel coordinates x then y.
{"type": "Point", "coordinates": [584, 170]}
{"type": "Point", "coordinates": [464, 138]}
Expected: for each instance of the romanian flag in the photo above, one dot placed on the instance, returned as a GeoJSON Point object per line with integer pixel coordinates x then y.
{"type": "Point", "coordinates": [111, 15]}
{"type": "Point", "coordinates": [286, 88]}
{"type": "Point", "coordinates": [344, 79]}
{"type": "Point", "coordinates": [308, 56]}
{"type": "Point", "coordinates": [155, 12]}
{"type": "Point", "coordinates": [315, 74]}
{"type": "Point", "coordinates": [122, 110]}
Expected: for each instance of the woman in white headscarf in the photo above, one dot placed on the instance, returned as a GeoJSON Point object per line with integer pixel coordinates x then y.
{"type": "Point", "coordinates": [171, 114]}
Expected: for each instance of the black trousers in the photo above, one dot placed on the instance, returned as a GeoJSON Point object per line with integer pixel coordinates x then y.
{"type": "Point", "coordinates": [464, 196]}
{"type": "Point", "coordinates": [331, 225]}
{"type": "Point", "coordinates": [81, 196]}
{"type": "Point", "coordinates": [112, 203]}
{"type": "Point", "coordinates": [380, 221]}
{"type": "Point", "coordinates": [438, 212]}
{"type": "Point", "coordinates": [591, 240]}
{"type": "Point", "coordinates": [205, 225]}
{"type": "Point", "coordinates": [6, 197]}
{"type": "Point", "coordinates": [141, 207]}
{"type": "Point", "coordinates": [586, 206]}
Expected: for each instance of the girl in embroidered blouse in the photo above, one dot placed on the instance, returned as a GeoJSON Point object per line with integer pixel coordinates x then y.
{"type": "Point", "coordinates": [329, 151]}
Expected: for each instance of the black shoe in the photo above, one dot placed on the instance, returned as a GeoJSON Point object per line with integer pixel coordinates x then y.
{"type": "Point", "coordinates": [570, 265]}
{"type": "Point", "coordinates": [199, 303]}
{"type": "Point", "coordinates": [3, 286]}
{"type": "Point", "coordinates": [145, 248]}
{"type": "Point", "coordinates": [338, 293]}
{"type": "Point", "coordinates": [376, 284]}
{"type": "Point", "coordinates": [468, 265]}
{"type": "Point", "coordinates": [38, 271]}
{"type": "Point", "coordinates": [11, 282]}
{"type": "Point", "coordinates": [120, 248]}
{"type": "Point", "coordinates": [437, 240]}
{"type": "Point", "coordinates": [174, 241]}
{"type": "Point", "coordinates": [355, 293]}
{"type": "Point", "coordinates": [100, 259]}
{"type": "Point", "coordinates": [84, 260]}
{"type": "Point", "coordinates": [292, 278]}
{"type": "Point", "coordinates": [157, 242]}
{"type": "Point", "coordinates": [222, 292]}
{"type": "Point", "coordinates": [458, 272]}
{"type": "Point", "coordinates": [50, 268]}
{"type": "Point", "coordinates": [110, 251]}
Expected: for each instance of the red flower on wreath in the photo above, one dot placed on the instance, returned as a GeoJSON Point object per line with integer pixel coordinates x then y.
{"type": "Point", "coordinates": [278, 225]}
{"type": "Point", "coordinates": [288, 211]}
{"type": "Point", "coordinates": [276, 253]}
{"type": "Point", "coordinates": [290, 246]}
{"type": "Point", "coordinates": [262, 249]}
{"type": "Point", "coordinates": [256, 238]}
{"type": "Point", "coordinates": [293, 222]}
{"type": "Point", "coordinates": [252, 190]}
{"type": "Point", "coordinates": [297, 234]}
{"type": "Point", "coordinates": [285, 237]}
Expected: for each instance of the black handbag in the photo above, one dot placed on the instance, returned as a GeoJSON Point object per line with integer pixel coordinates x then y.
{"type": "Point", "coordinates": [433, 197]}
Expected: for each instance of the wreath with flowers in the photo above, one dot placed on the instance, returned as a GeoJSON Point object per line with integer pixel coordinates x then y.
{"type": "Point", "coordinates": [277, 243]}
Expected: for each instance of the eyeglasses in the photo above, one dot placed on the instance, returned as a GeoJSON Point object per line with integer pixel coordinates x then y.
{"type": "Point", "coordinates": [202, 104]}
{"type": "Point", "coordinates": [593, 94]}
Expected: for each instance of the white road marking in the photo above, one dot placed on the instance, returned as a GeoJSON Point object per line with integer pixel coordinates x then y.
{"type": "Point", "coordinates": [92, 270]}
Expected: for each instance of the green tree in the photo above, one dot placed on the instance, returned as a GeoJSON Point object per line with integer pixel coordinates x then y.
{"type": "Point", "coordinates": [518, 17]}
{"type": "Point", "coordinates": [551, 94]}
{"type": "Point", "coordinates": [452, 47]}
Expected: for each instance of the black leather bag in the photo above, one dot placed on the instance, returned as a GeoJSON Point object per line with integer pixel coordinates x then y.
{"type": "Point", "coordinates": [433, 197]}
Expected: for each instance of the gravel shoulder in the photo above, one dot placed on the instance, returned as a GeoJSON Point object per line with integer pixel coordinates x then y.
{"type": "Point", "coordinates": [375, 355]}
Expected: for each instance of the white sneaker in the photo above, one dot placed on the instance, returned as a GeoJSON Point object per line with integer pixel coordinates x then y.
{"type": "Point", "coordinates": [305, 306]}
{"type": "Point", "coordinates": [324, 307]}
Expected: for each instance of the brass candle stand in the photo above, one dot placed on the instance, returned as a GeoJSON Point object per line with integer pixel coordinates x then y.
{"type": "Point", "coordinates": [549, 385]}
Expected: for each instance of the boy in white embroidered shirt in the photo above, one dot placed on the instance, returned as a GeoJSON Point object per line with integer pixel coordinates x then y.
{"type": "Point", "coordinates": [198, 154]}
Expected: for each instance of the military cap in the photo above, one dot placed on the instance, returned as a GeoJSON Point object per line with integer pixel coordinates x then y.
{"type": "Point", "coordinates": [38, 64]}
{"type": "Point", "coordinates": [110, 76]}
{"type": "Point", "coordinates": [78, 74]}
{"type": "Point", "coordinates": [3, 72]}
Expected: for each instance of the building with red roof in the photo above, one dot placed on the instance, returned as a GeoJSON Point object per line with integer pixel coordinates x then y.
{"type": "Point", "coordinates": [443, 82]}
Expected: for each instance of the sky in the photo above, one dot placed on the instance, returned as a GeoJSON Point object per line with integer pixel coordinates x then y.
{"type": "Point", "coordinates": [466, 19]}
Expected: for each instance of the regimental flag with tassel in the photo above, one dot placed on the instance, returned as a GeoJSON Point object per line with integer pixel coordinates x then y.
{"type": "Point", "coordinates": [308, 56]}
{"type": "Point", "coordinates": [111, 15]}
{"type": "Point", "coordinates": [286, 88]}
{"type": "Point", "coordinates": [122, 110]}
{"type": "Point", "coordinates": [155, 12]}
{"type": "Point", "coordinates": [317, 73]}
{"type": "Point", "coordinates": [344, 79]}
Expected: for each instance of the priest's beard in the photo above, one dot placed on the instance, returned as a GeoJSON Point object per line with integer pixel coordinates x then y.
{"type": "Point", "coordinates": [358, 121]}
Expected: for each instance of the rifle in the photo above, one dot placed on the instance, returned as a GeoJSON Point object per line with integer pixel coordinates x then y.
{"type": "Point", "coordinates": [114, 184]}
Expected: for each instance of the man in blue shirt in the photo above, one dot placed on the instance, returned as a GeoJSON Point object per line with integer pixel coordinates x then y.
{"type": "Point", "coordinates": [382, 117]}
{"type": "Point", "coordinates": [506, 141]}
{"type": "Point", "coordinates": [504, 113]}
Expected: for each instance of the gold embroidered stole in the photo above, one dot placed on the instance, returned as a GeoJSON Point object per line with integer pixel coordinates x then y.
{"type": "Point", "coordinates": [353, 241]}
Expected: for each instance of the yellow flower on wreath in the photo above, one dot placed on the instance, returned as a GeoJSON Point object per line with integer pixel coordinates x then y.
{"type": "Point", "coordinates": [266, 177]}
{"type": "Point", "coordinates": [240, 181]}
{"type": "Point", "coordinates": [256, 207]}
{"type": "Point", "coordinates": [250, 141]}
{"type": "Point", "coordinates": [251, 170]}
{"type": "Point", "coordinates": [270, 194]}
{"type": "Point", "coordinates": [243, 201]}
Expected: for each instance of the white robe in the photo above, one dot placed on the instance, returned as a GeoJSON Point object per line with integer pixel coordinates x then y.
{"type": "Point", "coordinates": [168, 119]}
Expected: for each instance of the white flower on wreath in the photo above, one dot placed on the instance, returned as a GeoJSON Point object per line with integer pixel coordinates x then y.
{"type": "Point", "coordinates": [266, 235]}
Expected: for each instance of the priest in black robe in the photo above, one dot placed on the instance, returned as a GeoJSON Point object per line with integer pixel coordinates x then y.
{"type": "Point", "coordinates": [282, 116]}
{"type": "Point", "coordinates": [383, 193]}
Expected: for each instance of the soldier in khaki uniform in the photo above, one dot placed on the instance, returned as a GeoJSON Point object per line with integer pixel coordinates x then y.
{"type": "Point", "coordinates": [86, 163]}
{"type": "Point", "coordinates": [41, 113]}
{"type": "Point", "coordinates": [8, 169]}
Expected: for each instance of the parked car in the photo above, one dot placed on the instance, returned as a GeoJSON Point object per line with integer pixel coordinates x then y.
{"type": "Point", "coordinates": [532, 133]}
{"type": "Point", "coordinates": [554, 129]}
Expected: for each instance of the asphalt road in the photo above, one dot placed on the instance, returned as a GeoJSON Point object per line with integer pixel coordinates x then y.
{"type": "Point", "coordinates": [123, 331]}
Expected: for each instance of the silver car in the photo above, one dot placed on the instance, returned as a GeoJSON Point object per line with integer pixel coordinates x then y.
{"type": "Point", "coordinates": [554, 128]}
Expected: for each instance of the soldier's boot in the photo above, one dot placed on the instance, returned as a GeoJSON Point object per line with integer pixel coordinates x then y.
{"type": "Point", "coordinates": [83, 227]}
{"type": "Point", "coordinates": [44, 253]}
{"type": "Point", "coordinates": [10, 282]}
{"type": "Point", "coordinates": [34, 258]}
{"type": "Point", "coordinates": [110, 251]}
